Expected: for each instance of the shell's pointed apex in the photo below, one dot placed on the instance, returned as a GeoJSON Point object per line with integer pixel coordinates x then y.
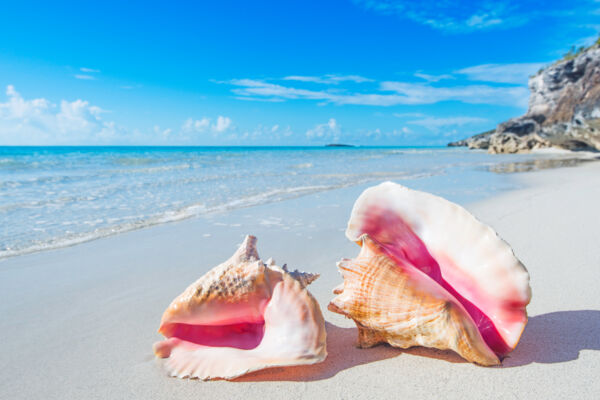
{"type": "Point", "coordinates": [249, 242]}
{"type": "Point", "coordinates": [247, 250]}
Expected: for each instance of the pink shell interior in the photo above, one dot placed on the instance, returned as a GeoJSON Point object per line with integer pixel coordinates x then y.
{"type": "Point", "coordinates": [242, 335]}
{"type": "Point", "coordinates": [404, 246]}
{"type": "Point", "coordinates": [244, 328]}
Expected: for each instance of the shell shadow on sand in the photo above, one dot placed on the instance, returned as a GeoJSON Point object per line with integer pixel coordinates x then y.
{"type": "Point", "coordinates": [557, 337]}
{"type": "Point", "coordinates": [342, 354]}
{"type": "Point", "coordinates": [548, 338]}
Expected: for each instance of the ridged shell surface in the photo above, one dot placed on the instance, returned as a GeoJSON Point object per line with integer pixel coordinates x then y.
{"type": "Point", "coordinates": [399, 305]}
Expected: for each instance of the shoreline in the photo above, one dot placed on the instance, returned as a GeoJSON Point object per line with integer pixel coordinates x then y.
{"type": "Point", "coordinates": [80, 321]}
{"type": "Point", "coordinates": [198, 210]}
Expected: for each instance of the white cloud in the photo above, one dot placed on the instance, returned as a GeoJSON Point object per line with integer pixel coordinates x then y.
{"type": "Point", "coordinates": [39, 121]}
{"type": "Point", "coordinates": [204, 125]}
{"type": "Point", "coordinates": [328, 79]}
{"type": "Point", "coordinates": [266, 100]}
{"type": "Point", "coordinates": [223, 123]}
{"type": "Point", "coordinates": [433, 78]}
{"type": "Point", "coordinates": [435, 124]}
{"type": "Point", "coordinates": [501, 73]}
{"type": "Point", "coordinates": [130, 87]}
{"type": "Point", "coordinates": [198, 125]}
{"type": "Point", "coordinates": [42, 122]}
{"type": "Point", "coordinates": [88, 70]}
{"type": "Point", "coordinates": [330, 131]}
{"type": "Point", "coordinates": [409, 115]}
{"type": "Point", "coordinates": [85, 77]}
{"type": "Point", "coordinates": [405, 93]}
{"type": "Point", "coordinates": [479, 21]}
{"type": "Point", "coordinates": [454, 16]}
{"type": "Point", "coordinates": [414, 93]}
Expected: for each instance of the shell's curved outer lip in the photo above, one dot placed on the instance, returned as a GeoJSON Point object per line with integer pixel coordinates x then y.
{"type": "Point", "coordinates": [374, 216]}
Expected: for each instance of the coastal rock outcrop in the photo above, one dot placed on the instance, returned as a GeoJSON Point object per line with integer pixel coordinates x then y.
{"type": "Point", "coordinates": [564, 110]}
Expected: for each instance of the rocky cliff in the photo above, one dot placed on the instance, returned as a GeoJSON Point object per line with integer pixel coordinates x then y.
{"type": "Point", "coordinates": [564, 110]}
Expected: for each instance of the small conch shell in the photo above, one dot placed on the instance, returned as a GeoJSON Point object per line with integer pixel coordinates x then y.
{"type": "Point", "coordinates": [243, 315]}
{"type": "Point", "coordinates": [430, 274]}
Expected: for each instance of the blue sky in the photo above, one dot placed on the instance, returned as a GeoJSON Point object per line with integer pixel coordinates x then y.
{"type": "Point", "coordinates": [390, 72]}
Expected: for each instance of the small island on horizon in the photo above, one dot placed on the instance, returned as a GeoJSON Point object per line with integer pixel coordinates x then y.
{"type": "Point", "coordinates": [339, 145]}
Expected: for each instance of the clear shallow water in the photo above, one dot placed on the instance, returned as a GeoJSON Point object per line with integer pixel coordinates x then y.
{"type": "Point", "coordinates": [57, 196]}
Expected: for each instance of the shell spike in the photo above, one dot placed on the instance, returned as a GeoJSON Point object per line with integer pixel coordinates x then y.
{"type": "Point", "coordinates": [305, 278]}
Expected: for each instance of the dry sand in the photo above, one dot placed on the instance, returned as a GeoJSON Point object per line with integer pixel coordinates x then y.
{"type": "Point", "coordinates": [79, 322]}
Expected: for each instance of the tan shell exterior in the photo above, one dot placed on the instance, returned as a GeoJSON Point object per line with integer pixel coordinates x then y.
{"type": "Point", "coordinates": [403, 307]}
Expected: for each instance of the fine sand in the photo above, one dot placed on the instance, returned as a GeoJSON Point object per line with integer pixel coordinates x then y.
{"type": "Point", "coordinates": [79, 322]}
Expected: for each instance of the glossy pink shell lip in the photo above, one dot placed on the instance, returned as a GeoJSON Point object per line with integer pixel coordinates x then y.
{"type": "Point", "coordinates": [242, 335]}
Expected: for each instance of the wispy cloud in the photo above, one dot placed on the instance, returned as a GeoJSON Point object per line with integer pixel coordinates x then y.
{"type": "Point", "coordinates": [130, 87]}
{"type": "Point", "coordinates": [435, 124]}
{"type": "Point", "coordinates": [268, 100]}
{"type": "Point", "coordinates": [414, 93]}
{"type": "Point", "coordinates": [433, 78]}
{"type": "Point", "coordinates": [409, 115]}
{"type": "Point", "coordinates": [89, 70]}
{"type": "Point", "coordinates": [388, 93]}
{"type": "Point", "coordinates": [501, 73]}
{"type": "Point", "coordinates": [328, 79]}
{"type": "Point", "coordinates": [85, 77]}
{"type": "Point", "coordinates": [454, 16]}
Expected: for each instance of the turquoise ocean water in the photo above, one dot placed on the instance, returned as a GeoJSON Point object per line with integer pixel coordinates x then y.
{"type": "Point", "coordinates": [57, 196]}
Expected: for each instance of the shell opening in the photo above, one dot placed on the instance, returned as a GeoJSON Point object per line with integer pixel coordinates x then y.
{"type": "Point", "coordinates": [243, 335]}
{"type": "Point", "coordinates": [402, 245]}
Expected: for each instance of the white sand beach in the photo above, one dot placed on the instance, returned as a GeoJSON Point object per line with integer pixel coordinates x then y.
{"type": "Point", "coordinates": [79, 322]}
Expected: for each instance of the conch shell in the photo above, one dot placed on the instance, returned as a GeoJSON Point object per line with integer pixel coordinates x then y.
{"type": "Point", "coordinates": [242, 316]}
{"type": "Point", "coordinates": [430, 274]}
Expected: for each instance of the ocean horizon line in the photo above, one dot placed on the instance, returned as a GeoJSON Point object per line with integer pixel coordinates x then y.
{"type": "Point", "coordinates": [324, 146]}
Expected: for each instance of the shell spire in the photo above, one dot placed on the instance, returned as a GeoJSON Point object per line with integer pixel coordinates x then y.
{"type": "Point", "coordinates": [247, 251]}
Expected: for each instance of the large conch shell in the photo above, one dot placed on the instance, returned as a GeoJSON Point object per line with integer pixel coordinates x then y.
{"type": "Point", "coordinates": [430, 274]}
{"type": "Point", "coordinates": [242, 316]}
